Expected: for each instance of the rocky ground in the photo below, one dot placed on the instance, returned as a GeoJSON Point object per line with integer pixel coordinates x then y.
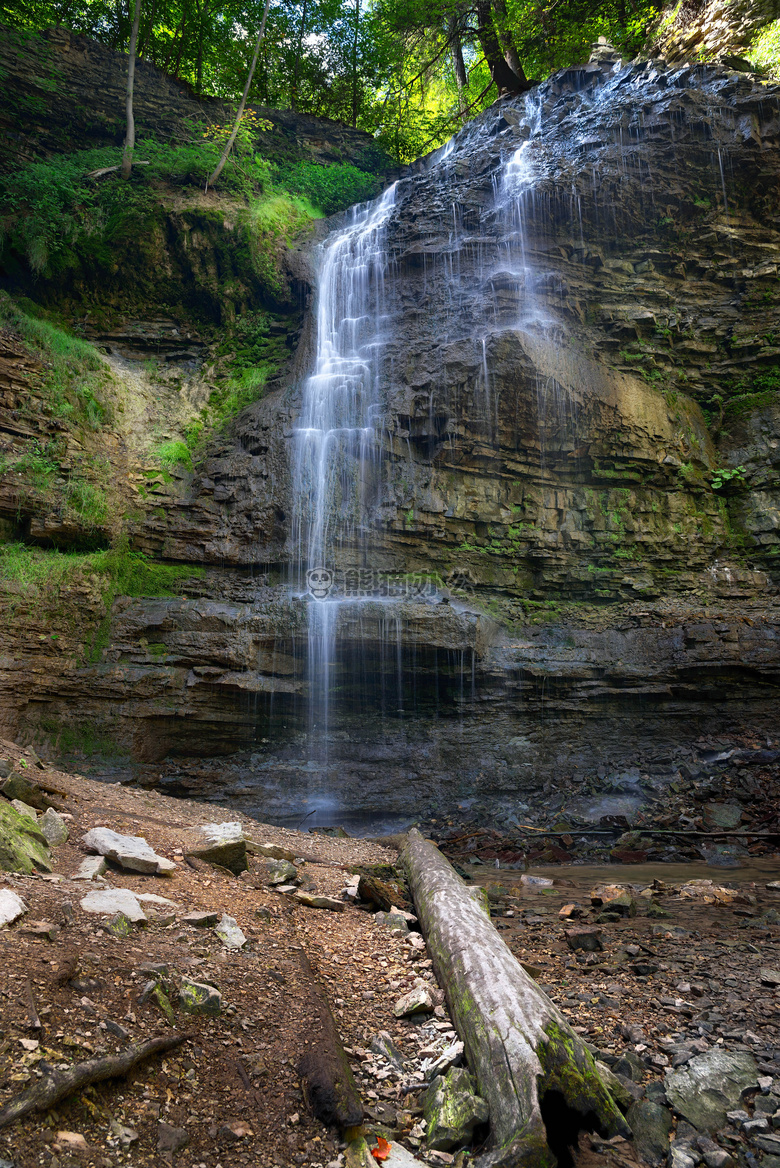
{"type": "Point", "coordinates": [665, 978]}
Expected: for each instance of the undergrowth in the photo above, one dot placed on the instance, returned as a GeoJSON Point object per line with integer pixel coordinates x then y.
{"type": "Point", "coordinates": [35, 570]}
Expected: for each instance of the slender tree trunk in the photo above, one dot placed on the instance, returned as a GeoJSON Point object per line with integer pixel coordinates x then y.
{"type": "Point", "coordinates": [229, 144]}
{"type": "Point", "coordinates": [504, 76]}
{"type": "Point", "coordinates": [202, 14]}
{"type": "Point", "coordinates": [148, 34]}
{"type": "Point", "coordinates": [458, 64]}
{"type": "Point", "coordinates": [501, 20]}
{"type": "Point", "coordinates": [354, 65]}
{"type": "Point", "coordinates": [296, 66]}
{"type": "Point", "coordinates": [127, 154]}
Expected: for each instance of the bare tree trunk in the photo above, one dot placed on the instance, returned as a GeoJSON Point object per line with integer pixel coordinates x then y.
{"type": "Point", "coordinates": [202, 14]}
{"type": "Point", "coordinates": [505, 78]}
{"type": "Point", "coordinates": [229, 144]}
{"type": "Point", "coordinates": [528, 1062]}
{"type": "Point", "coordinates": [458, 64]}
{"type": "Point", "coordinates": [127, 154]}
{"type": "Point", "coordinates": [354, 65]}
{"type": "Point", "coordinates": [296, 66]}
{"type": "Point", "coordinates": [148, 34]}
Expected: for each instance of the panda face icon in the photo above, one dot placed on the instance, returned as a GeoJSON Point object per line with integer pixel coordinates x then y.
{"type": "Point", "coordinates": [319, 582]}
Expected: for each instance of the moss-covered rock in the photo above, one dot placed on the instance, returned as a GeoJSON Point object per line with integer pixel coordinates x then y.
{"type": "Point", "coordinates": [22, 847]}
{"type": "Point", "coordinates": [452, 1110]}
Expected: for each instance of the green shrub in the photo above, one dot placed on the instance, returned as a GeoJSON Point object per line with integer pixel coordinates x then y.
{"type": "Point", "coordinates": [172, 454]}
{"type": "Point", "coordinates": [764, 51]}
{"type": "Point", "coordinates": [331, 188]}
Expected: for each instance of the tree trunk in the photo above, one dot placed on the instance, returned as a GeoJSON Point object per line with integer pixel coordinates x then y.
{"type": "Point", "coordinates": [528, 1062]}
{"type": "Point", "coordinates": [505, 78]}
{"type": "Point", "coordinates": [511, 56]}
{"type": "Point", "coordinates": [296, 66]}
{"type": "Point", "coordinates": [354, 65]}
{"type": "Point", "coordinates": [229, 144]}
{"type": "Point", "coordinates": [458, 64]}
{"type": "Point", "coordinates": [127, 154]}
{"type": "Point", "coordinates": [323, 1067]}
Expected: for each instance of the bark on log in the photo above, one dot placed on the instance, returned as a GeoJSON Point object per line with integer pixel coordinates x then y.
{"type": "Point", "coordinates": [56, 1086]}
{"type": "Point", "coordinates": [324, 1069]}
{"type": "Point", "coordinates": [523, 1053]}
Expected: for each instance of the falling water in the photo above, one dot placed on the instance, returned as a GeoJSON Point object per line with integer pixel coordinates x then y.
{"type": "Point", "coordinates": [335, 440]}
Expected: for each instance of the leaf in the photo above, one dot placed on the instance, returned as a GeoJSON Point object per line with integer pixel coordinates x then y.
{"type": "Point", "coordinates": [382, 1149]}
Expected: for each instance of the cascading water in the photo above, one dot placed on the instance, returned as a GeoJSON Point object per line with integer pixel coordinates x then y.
{"type": "Point", "coordinates": [335, 468]}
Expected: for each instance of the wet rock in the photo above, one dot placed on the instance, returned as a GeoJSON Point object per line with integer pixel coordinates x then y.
{"type": "Point", "coordinates": [651, 1126]}
{"type": "Point", "coordinates": [54, 827]}
{"type": "Point", "coordinates": [171, 1139]}
{"type": "Point", "coordinates": [11, 907]}
{"type": "Point", "coordinates": [417, 1001]}
{"type": "Point", "coordinates": [90, 868]}
{"type": "Point", "coordinates": [114, 900]}
{"type": "Point", "coordinates": [710, 1085]}
{"type": "Point", "coordinates": [130, 852]}
{"type": "Point", "coordinates": [724, 815]}
{"type": "Point", "coordinates": [22, 847]}
{"type": "Point", "coordinates": [615, 899]}
{"type": "Point", "coordinates": [224, 846]}
{"type": "Point", "coordinates": [313, 900]}
{"type": "Point", "coordinates": [229, 933]}
{"type": "Point", "coordinates": [198, 998]}
{"type": "Point", "coordinates": [452, 1110]}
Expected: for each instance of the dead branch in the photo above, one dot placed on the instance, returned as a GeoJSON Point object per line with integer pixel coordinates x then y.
{"type": "Point", "coordinates": [52, 1088]}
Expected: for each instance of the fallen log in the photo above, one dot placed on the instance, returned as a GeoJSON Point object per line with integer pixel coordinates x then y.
{"type": "Point", "coordinates": [48, 1091]}
{"type": "Point", "coordinates": [326, 1077]}
{"type": "Point", "coordinates": [535, 1073]}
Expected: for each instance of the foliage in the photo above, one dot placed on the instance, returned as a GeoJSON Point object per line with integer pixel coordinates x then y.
{"type": "Point", "coordinates": [331, 188]}
{"type": "Point", "coordinates": [172, 454]}
{"type": "Point", "coordinates": [723, 478]}
{"type": "Point", "coordinates": [764, 51]}
{"type": "Point", "coordinates": [128, 573]}
{"type": "Point", "coordinates": [386, 66]}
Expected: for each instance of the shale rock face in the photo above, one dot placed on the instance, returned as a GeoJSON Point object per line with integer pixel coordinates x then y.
{"type": "Point", "coordinates": [566, 363]}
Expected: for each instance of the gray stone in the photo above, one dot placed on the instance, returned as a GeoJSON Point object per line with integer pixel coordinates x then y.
{"type": "Point", "coordinates": [313, 900]}
{"type": "Point", "coordinates": [624, 1096]}
{"type": "Point", "coordinates": [130, 852]}
{"type": "Point", "coordinates": [229, 933]}
{"type": "Point", "coordinates": [18, 786]}
{"type": "Point", "coordinates": [171, 1139]}
{"type": "Point", "coordinates": [25, 809]}
{"type": "Point", "coordinates": [114, 900]}
{"type": "Point", "coordinates": [11, 907]}
{"type": "Point", "coordinates": [770, 976]}
{"type": "Point", "coordinates": [651, 1126]}
{"type": "Point", "coordinates": [725, 815]}
{"type": "Point", "coordinates": [198, 998]}
{"type": "Point", "coordinates": [586, 938]}
{"type": "Point", "coordinates": [279, 872]}
{"type": "Point", "coordinates": [200, 920]}
{"type": "Point", "coordinates": [417, 1001]}
{"type": "Point", "coordinates": [90, 868]}
{"type": "Point", "coordinates": [54, 827]}
{"type": "Point", "coordinates": [710, 1085]}
{"type": "Point", "coordinates": [119, 925]}
{"type": "Point", "coordinates": [452, 1110]}
{"type": "Point", "coordinates": [395, 922]}
{"type": "Point", "coordinates": [383, 1045]}
{"type": "Point", "coordinates": [224, 846]}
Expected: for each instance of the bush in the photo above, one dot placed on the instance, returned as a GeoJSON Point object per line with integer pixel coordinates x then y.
{"type": "Point", "coordinates": [172, 454]}
{"type": "Point", "coordinates": [331, 188]}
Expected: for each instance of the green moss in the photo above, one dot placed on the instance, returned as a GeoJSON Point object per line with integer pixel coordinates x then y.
{"type": "Point", "coordinates": [569, 1069]}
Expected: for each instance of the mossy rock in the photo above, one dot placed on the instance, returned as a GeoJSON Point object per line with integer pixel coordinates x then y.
{"type": "Point", "coordinates": [22, 847]}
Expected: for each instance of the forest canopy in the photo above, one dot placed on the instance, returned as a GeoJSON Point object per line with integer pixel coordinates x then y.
{"type": "Point", "coordinates": [406, 71]}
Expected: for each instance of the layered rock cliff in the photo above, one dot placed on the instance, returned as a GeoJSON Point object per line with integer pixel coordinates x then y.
{"type": "Point", "coordinates": [576, 507]}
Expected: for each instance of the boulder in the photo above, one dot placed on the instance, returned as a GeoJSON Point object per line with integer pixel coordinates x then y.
{"type": "Point", "coordinates": [279, 872]}
{"type": "Point", "coordinates": [224, 845]}
{"type": "Point", "coordinates": [54, 827]}
{"type": "Point", "coordinates": [269, 851]}
{"type": "Point", "coordinates": [18, 786]}
{"type": "Point", "coordinates": [651, 1125]}
{"type": "Point", "coordinates": [114, 900]}
{"type": "Point", "coordinates": [11, 907]}
{"type": "Point", "coordinates": [198, 998]}
{"type": "Point", "coordinates": [130, 852]}
{"type": "Point", "coordinates": [710, 1085]}
{"type": "Point", "coordinates": [22, 847]}
{"type": "Point", "coordinates": [452, 1110]}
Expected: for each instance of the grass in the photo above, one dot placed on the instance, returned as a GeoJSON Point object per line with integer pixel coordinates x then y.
{"type": "Point", "coordinates": [70, 386]}
{"type": "Point", "coordinates": [34, 570]}
{"type": "Point", "coordinates": [172, 454]}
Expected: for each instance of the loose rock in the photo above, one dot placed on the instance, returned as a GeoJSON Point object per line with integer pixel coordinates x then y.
{"type": "Point", "coordinates": [452, 1110]}
{"type": "Point", "coordinates": [131, 852]}
{"type": "Point", "coordinates": [710, 1085]}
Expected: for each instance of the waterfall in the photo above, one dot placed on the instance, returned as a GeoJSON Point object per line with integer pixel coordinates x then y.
{"type": "Point", "coordinates": [335, 441]}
